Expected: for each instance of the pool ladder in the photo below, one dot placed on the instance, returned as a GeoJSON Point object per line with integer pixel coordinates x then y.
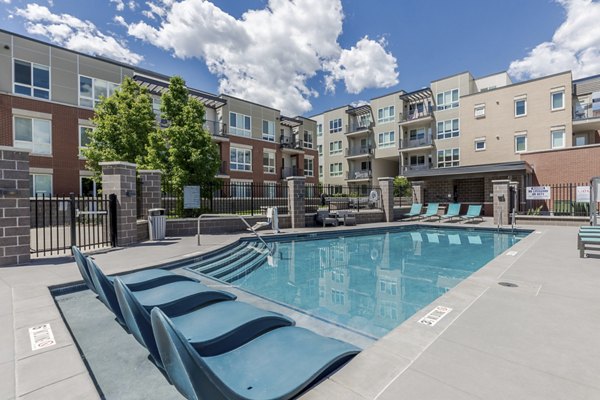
{"type": "Point", "coordinates": [250, 228]}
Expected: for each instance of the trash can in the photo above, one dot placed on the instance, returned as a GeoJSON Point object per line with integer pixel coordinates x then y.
{"type": "Point", "coordinates": [157, 223]}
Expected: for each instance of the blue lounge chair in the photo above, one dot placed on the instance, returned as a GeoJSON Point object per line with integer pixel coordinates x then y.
{"type": "Point", "coordinates": [278, 364]}
{"type": "Point", "coordinates": [415, 211]}
{"type": "Point", "coordinates": [211, 329]}
{"type": "Point", "coordinates": [473, 213]}
{"type": "Point", "coordinates": [432, 211]}
{"type": "Point", "coordinates": [135, 281]}
{"type": "Point", "coordinates": [453, 211]}
{"type": "Point", "coordinates": [183, 294]}
{"type": "Point", "coordinates": [587, 239]}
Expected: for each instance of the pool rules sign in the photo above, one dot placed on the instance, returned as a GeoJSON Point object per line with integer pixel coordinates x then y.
{"type": "Point", "coordinates": [538, 193]}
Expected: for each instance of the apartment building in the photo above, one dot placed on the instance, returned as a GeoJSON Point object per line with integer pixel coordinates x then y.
{"type": "Point", "coordinates": [48, 95]}
{"type": "Point", "coordinates": [454, 138]}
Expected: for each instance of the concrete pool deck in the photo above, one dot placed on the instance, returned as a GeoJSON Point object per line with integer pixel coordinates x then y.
{"type": "Point", "coordinates": [537, 340]}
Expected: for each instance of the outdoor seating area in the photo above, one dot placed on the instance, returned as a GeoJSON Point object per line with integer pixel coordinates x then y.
{"type": "Point", "coordinates": [335, 218]}
{"type": "Point", "coordinates": [453, 211]}
{"type": "Point", "coordinates": [588, 239]}
{"type": "Point", "coordinates": [209, 344]}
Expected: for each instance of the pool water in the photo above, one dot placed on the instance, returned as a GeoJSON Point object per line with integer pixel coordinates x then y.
{"type": "Point", "coordinates": [372, 282]}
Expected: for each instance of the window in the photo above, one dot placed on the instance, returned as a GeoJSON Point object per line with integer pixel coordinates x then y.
{"type": "Point", "coordinates": [337, 297]}
{"type": "Point", "coordinates": [84, 138]}
{"type": "Point", "coordinates": [558, 100]}
{"type": "Point", "coordinates": [91, 90]}
{"type": "Point", "coordinates": [448, 158]}
{"type": "Point", "coordinates": [385, 114]}
{"type": "Point", "coordinates": [416, 161]}
{"type": "Point", "coordinates": [32, 79]}
{"type": "Point", "coordinates": [479, 144]}
{"type": "Point", "coordinates": [308, 139]}
{"type": "Point", "coordinates": [520, 143]}
{"type": "Point", "coordinates": [335, 147]}
{"type": "Point", "coordinates": [89, 187]}
{"type": "Point", "coordinates": [40, 184]}
{"type": "Point", "coordinates": [446, 100]}
{"type": "Point", "coordinates": [365, 165]}
{"type": "Point", "coordinates": [33, 134]}
{"type": "Point", "coordinates": [240, 159]}
{"type": "Point", "coordinates": [580, 140]}
{"type": "Point", "coordinates": [320, 171]}
{"type": "Point", "coordinates": [268, 162]}
{"type": "Point", "coordinates": [320, 149]}
{"type": "Point", "coordinates": [156, 107]}
{"type": "Point", "coordinates": [447, 129]}
{"type": "Point", "coordinates": [480, 111]}
{"type": "Point", "coordinates": [270, 189]}
{"type": "Point", "coordinates": [335, 169]}
{"type": "Point", "coordinates": [520, 107]}
{"type": "Point", "coordinates": [240, 124]}
{"type": "Point", "coordinates": [319, 129]}
{"type": "Point", "coordinates": [416, 134]}
{"type": "Point", "coordinates": [268, 130]}
{"type": "Point", "coordinates": [309, 167]}
{"type": "Point", "coordinates": [386, 139]}
{"type": "Point", "coordinates": [241, 189]}
{"type": "Point", "coordinates": [335, 125]}
{"type": "Point", "coordinates": [558, 138]}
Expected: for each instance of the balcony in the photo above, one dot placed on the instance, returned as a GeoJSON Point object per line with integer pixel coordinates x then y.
{"type": "Point", "coordinates": [359, 152]}
{"type": "Point", "coordinates": [286, 172]}
{"type": "Point", "coordinates": [217, 130]}
{"type": "Point", "coordinates": [289, 145]}
{"type": "Point", "coordinates": [416, 116]}
{"type": "Point", "coordinates": [357, 128]}
{"type": "Point", "coordinates": [417, 143]}
{"type": "Point", "coordinates": [585, 119]}
{"type": "Point", "coordinates": [419, 167]}
{"type": "Point", "coordinates": [358, 175]}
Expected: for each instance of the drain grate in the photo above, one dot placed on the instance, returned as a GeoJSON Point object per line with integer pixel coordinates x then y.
{"type": "Point", "coordinates": [508, 284]}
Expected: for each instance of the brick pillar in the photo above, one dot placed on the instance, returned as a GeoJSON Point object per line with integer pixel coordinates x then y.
{"type": "Point", "coordinates": [150, 190]}
{"type": "Point", "coordinates": [387, 197]}
{"type": "Point", "coordinates": [501, 201]}
{"type": "Point", "coordinates": [418, 188]}
{"type": "Point", "coordinates": [118, 177]}
{"type": "Point", "coordinates": [15, 230]}
{"type": "Point", "coordinates": [296, 194]}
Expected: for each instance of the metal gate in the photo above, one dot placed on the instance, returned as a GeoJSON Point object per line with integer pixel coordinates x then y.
{"type": "Point", "coordinates": [58, 222]}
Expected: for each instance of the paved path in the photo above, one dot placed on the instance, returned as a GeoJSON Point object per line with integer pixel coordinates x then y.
{"type": "Point", "coordinates": [536, 341]}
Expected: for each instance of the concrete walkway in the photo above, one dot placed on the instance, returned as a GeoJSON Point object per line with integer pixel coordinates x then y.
{"type": "Point", "coordinates": [538, 340]}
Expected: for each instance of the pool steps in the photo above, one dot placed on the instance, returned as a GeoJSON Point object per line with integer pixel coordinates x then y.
{"type": "Point", "coordinates": [234, 263]}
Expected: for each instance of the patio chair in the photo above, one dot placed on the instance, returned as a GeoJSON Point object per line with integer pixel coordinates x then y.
{"type": "Point", "coordinates": [346, 218]}
{"type": "Point", "coordinates": [415, 211]}
{"type": "Point", "coordinates": [588, 240]}
{"type": "Point", "coordinates": [183, 294]}
{"type": "Point", "coordinates": [278, 364]}
{"type": "Point", "coordinates": [324, 217]}
{"type": "Point", "coordinates": [473, 213]}
{"type": "Point", "coordinates": [432, 211]}
{"type": "Point", "coordinates": [135, 280]}
{"type": "Point", "coordinates": [211, 328]}
{"type": "Point", "coordinates": [453, 211]}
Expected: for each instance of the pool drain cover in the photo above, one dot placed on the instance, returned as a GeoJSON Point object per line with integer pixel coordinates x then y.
{"type": "Point", "coordinates": [508, 284]}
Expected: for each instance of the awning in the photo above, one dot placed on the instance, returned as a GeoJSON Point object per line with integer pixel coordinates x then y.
{"type": "Point", "coordinates": [457, 172]}
{"type": "Point", "coordinates": [290, 122]}
{"type": "Point", "coordinates": [158, 87]}
{"type": "Point", "coordinates": [417, 95]}
{"type": "Point", "coordinates": [360, 110]}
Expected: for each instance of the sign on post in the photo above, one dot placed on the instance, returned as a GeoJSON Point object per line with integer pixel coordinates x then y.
{"type": "Point", "coordinates": [582, 195]}
{"type": "Point", "coordinates": [191, 197]}
{"type": "Point", "coordinates": [538, 193]}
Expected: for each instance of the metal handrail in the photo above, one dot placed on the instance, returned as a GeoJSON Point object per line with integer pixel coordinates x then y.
{"type": "Point", "coordinates": [243, 220]}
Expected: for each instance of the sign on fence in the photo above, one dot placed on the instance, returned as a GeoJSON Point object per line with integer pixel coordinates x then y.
{"type": "Point", "coordinates": [191, 197]}
{"type": "Point", "coordinates": [582, 195]}
{"type": "Point", "coordinates": [538, 193]}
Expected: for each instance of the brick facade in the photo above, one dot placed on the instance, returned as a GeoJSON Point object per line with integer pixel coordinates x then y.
{"type": "Point", "coordinates": [570, 165]}
{"type": "Point", "coordinates": [151, 196]}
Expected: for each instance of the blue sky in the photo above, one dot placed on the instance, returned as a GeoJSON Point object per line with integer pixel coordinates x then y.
{"type": "Point", "coordinates": [307, 56]}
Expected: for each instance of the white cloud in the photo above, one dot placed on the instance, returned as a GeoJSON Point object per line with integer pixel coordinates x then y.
{"type": "Point", "coordinates": [267, 55]}
{"type": "Point", "coordinates": [132, 5]}
{"type": "Point", "coordinates": [575, 45]}
{"type": "Point", "coordinates": [71, 32]}
{"type": "Point", "coordinates": [118, 4]}
{"type": "Point", "coordinates": [5, 1]}
{"type": "Point", "coordinates": [363, 66]}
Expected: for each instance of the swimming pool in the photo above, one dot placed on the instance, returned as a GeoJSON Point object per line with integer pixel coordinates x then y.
{"type": "Point", "coordinates": [369, 281]}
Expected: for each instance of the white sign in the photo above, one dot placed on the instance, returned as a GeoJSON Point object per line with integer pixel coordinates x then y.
{"type": "Point", "coordinates": [434, 316]}
{"type": "Point", "coordinates": [582, 194]}
{"type": "Point", "coordinates": [41, 336]}
{"type": "Point", "coordinates": [191, 197]}
{"type": "Point", "coordinates": [538, 193]}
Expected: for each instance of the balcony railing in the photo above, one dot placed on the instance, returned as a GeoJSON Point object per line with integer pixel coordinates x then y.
{"type": "Point", "coordinates": [215, 128]}
{"type": "Point", "coordinates": [427, 140]}
{"type": "Point", "coordinates": [288, 142]}
{"type": "Point", "coordinates": [359, 174]}
{"type": "Point", "coordinates": [357, 127]}
{"type": "Point", "coordinates": [414, 115]}
{"type": "Point", "coordinates": [286, 172]}
{"type": "Point", "coordinates": [420, 167]}
{"type": "Point", "coordinates": [586, 113]}
{"type": "Point", "coordinates": [358, 151]}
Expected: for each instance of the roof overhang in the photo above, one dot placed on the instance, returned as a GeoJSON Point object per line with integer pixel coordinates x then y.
{"type": "Point", "coordinates": [519, 167]}
{"type": "Point", "coordinates": [158, 87]}
{"type": "Point", "coordinates": [417, 95]}
{"type": "Point", "coordinates": [290, 122]}
{"type": "Point", "coordinates": [360, 110]}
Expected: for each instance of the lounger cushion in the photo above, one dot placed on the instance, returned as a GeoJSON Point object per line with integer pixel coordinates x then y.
{"type": "Point", "coordinates": [150, 278]}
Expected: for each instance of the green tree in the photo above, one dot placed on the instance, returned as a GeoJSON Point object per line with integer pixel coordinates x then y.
{"type": "Point", "coordinates": [184, 150]}
{"type": "Point", "coordinates": [402, 187]}
{"type": "Point", "coordinates": [123, 123]}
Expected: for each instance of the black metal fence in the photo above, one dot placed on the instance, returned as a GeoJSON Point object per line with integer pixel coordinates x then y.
{"type": "Point", "coordinates": [563, 201]}
{"type": "Point", "coordinates": [58, 222]}
{"type": "Point", "coordinates": [249, 198]}
{"type": "Point", "coordinates": [355, 198]}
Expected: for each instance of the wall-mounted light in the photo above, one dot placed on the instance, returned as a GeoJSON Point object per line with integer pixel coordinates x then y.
{"type": "Point", "coordinates": [8, 192]}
